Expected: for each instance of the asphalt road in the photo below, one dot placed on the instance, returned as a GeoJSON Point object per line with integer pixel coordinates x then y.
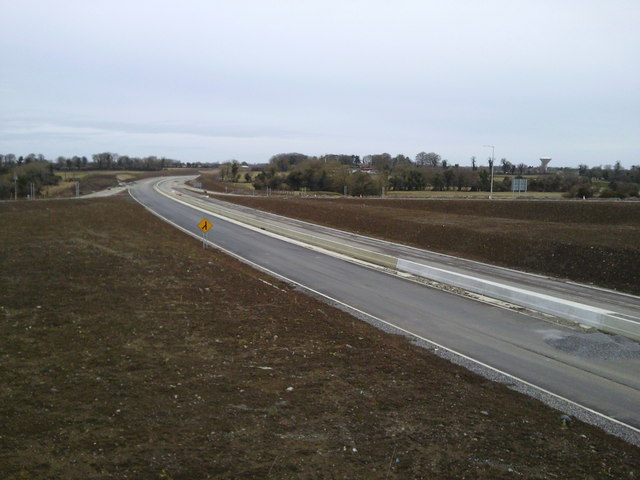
{"type": "Point", "coordinates": [596, 371]}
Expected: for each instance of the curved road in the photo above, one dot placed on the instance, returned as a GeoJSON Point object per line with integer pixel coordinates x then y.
{"type": "Point", "coordinates": [595, 371]}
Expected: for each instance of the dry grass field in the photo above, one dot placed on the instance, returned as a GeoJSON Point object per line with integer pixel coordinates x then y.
{"type": "Point", "coordinates": [456, 195]}
{"type": "Point", "coordinates": [96, 180]}
{"type": "Point", "coordinates": [128, 351]}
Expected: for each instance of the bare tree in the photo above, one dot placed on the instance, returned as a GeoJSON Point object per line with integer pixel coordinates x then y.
{"type": "Point", "coordinates": [430, 159]}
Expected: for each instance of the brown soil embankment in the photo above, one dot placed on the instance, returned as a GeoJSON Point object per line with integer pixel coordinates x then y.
{"type": "Point", "coordinates": [128, 351]}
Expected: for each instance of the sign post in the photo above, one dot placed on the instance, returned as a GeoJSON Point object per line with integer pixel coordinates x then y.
{"type": "Point", "coordinates": [205, 225]}
{"type": "Point", "coordinates": [518, 185]}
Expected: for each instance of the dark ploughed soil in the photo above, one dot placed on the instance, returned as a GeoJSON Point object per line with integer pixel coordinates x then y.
{"type": "Point", "coordinates": [589, 242]}
{"type": "Point", "coordinates": [128, 351]}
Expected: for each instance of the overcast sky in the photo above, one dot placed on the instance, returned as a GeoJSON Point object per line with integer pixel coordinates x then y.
{"type": "Point", "coordinates": [215, 80]}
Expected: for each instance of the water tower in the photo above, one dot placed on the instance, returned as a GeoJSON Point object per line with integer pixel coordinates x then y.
{"type": "Point", "coordinates": [544, 161]}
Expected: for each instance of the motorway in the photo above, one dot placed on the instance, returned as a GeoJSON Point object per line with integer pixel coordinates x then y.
{"type": "Point", "coordinates": [591, 370]}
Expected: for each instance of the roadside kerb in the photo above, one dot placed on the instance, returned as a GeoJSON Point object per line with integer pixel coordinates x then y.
{"type": "Point", "coordinates": [577, 312]}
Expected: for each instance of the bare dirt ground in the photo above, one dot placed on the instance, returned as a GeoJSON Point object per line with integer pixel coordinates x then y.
{"type": "Point", "coordinates": [128, 351]}
{"type": "Point", "coordinates": [589, 242]}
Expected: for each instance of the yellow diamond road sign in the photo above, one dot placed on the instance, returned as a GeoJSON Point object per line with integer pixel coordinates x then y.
{"type": "Point", "coordinates": [205, 225]}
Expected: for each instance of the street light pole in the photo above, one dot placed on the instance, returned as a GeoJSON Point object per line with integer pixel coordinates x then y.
{"type": "Point", "coordinates": [492, 162]}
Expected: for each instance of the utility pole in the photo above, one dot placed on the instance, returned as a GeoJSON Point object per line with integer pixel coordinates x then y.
{"type": "Point", "coordinates": [492, 162]}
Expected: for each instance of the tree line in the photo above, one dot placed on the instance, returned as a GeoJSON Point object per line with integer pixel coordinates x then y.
{"type": "Point", "coordinates": [372, 174]}
{"type": "Point", "coordinates": [342, 173]}
{"type": "Point", "coordinates": [28, 174]}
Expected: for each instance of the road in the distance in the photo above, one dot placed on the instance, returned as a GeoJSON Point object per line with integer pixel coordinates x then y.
{"type": "Point", "coordinates": [517, 344]}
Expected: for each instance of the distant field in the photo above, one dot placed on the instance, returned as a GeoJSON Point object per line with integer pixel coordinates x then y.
{"type": "Point", "coordinates": [479, 195]}
{"type": "Point", "coordinates": [95, 180]}
{"type": "Point", "coordinates": [209, 181]}
{"type": "Point", "coordinates": [128, 351]}
{"type": "Point", "coordinates": [80, 174]}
